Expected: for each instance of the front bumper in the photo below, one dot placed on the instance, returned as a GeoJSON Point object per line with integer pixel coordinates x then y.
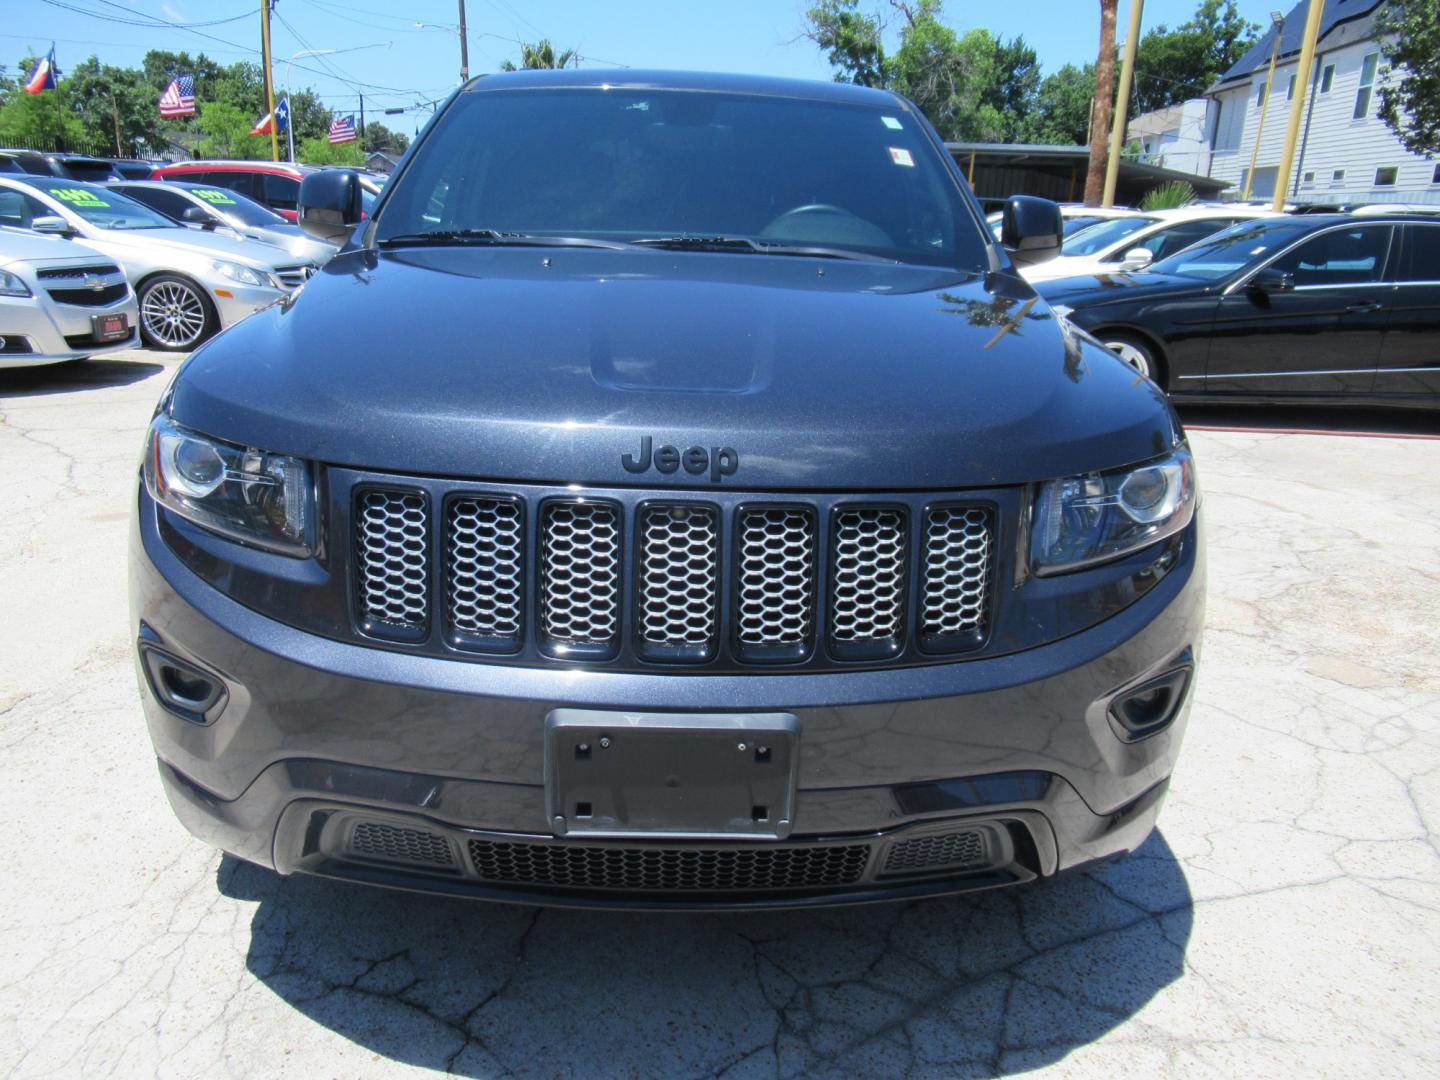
{"type": "Point", "coordinates": [436, 764]}
{"type": "Point", "coordinates": [41, 326]}
{"type": "Point", "coordinates": [234, 301]}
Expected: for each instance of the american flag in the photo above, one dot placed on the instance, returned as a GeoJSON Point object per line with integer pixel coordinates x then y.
{"type": "Point", "coordinates": [342, 129]}
{"type": "Point", "coordinates": [179, 97]}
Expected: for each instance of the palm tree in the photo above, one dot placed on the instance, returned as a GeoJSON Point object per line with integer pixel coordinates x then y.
{"type": "Point", "coordinates": [1100, 108]}
{"type": "Point", "coordinates": [542, 55]}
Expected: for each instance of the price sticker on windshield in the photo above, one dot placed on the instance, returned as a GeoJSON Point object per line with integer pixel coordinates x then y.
{"type": "Point", "coordinates": [78, 197]}
{"type": "Point", "coordinates": [211, 195]}
{"type": "Point", "coordinates": [901, 156]}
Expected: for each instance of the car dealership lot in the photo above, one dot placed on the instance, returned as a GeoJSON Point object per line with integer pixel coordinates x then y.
{"type": "Point", "coordinates": [1285, 918]}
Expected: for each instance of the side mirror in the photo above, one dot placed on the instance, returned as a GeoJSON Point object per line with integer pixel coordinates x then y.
{"type": "Point", "coordinates": [198, 215]}
{"type": "Point", "coordinates": [330, 204]}
{"type": "Point", "coordinates": [1272, 280]}
{"type": "Point", "coordinates": [50, 223]}
{"type": "Point", "coordinates": [1136, 258]}
{"type": "Point", "coordinates": [1031, 229]}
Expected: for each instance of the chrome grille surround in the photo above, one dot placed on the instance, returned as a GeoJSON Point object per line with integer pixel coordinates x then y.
{"type": "Point", "coordinates": [868, 563]}
{"type": "Point", "coordinates": [485, 570]}
{"type": "Point", "coordinates": [580, 575]}
{"type": "Point", "coordinates": [678, 580]}
{"type": "Point", "coordinates": [392, 563]}
{"type": "Point", "coordinates": [775, 571]}
{"type": "Point", "coordinates": [955, 589]}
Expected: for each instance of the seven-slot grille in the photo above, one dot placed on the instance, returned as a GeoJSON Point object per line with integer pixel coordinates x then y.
{"type": "Point", "coordinates": [702, 577]}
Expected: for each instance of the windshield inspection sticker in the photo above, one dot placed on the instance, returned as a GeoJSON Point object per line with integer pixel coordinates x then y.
{"type": "Point", "coordinates": [901, 156]}
{"type": "Point", "coordinates": [891, 123]}
{"type": "Point", "coordinates": [211, 195]}
{"type": "Point", "coordinates": [78, 197]}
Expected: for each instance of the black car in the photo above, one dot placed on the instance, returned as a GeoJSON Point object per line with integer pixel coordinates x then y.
{"type": "Point", "coordinates": [670, 495]}
{"type": "Point", "coordinates": [1325, 308]}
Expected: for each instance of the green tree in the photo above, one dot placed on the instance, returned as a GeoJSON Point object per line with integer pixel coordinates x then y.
{"type": "Point", "coordinates": [44, 121]}
{"type": "Point", "coordinates": [117, 107]}
{"type": "Point", "coordinates": [227, 133]}
{"type": "Point", "coordinates": [1410, 89]}
{"type": "Point", "coordinates": [1062, 107]}
{"type": "Point", "coordinates": [319, 150]}
{"type": "Point", "coordinates": [542, 55]}
{"type": "Point", "coordinates": [851, 41]}
{"type": "Point", "coordinates": [379, 137]}
{"type": "Point", "coordinates": [1172, 66]}
{"type": "Point", "coordinates": [1014, 87]}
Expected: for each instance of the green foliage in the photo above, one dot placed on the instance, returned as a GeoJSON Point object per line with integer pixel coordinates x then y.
{"type": "Point", "coordinates": [227, 133]}
{"type": "Point", "coordinates": [319, 150]}
{"type": "Point", "coordinates": [1172, 66]}
{"type": "Point", "coordinates": [1061, 113]}
{"type": "Point", "coordinates": [45, 121]}
{"type": "Point", "coordinates": [116, 107]}
{"type": "Point", "coordinates": [541, 55]}
{"type": "Point", "coordinates": [1170, 195]}
{"type": "Point", "coordinates": [851, 41]}
{"type": "Point", "coordinates": [379, 137]}
{"type": "Point", "coordinates": [1410, 90]}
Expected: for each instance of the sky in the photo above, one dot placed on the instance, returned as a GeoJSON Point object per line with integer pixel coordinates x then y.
{"type": "Point", "coordinates": [378, 43]}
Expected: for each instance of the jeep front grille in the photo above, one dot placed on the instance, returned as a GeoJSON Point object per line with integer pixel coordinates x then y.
{"type": "Point", "coordinates": [580, 573]}
{"type": "Point", "coordinates": [392, 545]}
{"type": "Point", "coordinates": [648, 578]}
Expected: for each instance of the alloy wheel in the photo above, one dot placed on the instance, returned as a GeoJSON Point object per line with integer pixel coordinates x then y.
{"type": "Point", "coordinates": [1133, 355]}
{"type": "Point", "coordinates": [173, 313]}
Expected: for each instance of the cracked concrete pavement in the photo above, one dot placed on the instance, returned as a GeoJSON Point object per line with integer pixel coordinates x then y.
{"type": "Point", "coordinates": [1282, 921]}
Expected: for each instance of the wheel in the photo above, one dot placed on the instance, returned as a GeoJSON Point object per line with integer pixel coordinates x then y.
{"type": "Point", "coordinates": [1139, 354]}
{"type": "Point", "coordinates": [175, 313]}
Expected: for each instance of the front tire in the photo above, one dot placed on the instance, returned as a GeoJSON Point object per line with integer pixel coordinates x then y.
{"type": "Point", "coordinates": [175, 313]}
{"type": "Point", "coordinates": [1138, 353]}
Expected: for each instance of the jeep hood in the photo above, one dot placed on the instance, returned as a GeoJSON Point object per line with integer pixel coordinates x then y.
{"type": "Point", "coordinates": [548, 364]}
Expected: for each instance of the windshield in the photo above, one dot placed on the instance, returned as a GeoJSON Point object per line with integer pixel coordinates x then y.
{"type": "Point", "coordinates": [621, 164]}
{"type": "Point", "coordinates": [233, 205]}
{"type": "Point", "coordinates": [1097, 238]}
{"type": "Point", "coordinates": [1233, 250]}
{"type": "Point", "coordinates": [1075, 224]}
{"type": "Point", "coordinates": [101, 206]}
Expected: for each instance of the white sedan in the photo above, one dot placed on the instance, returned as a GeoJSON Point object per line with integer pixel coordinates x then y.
{"type": "Point", "coordinates": [1134, 241]}
{"type": "Point", "coordinates": [60, 301]}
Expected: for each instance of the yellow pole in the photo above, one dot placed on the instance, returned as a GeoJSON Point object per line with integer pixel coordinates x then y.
{"type": "Point", "coordinates": [269, 85]}
{"type": "Point", "coordinates": [1297, 105]}
{"type": "Point", "coordinates": [971, 178]}
{"type": "Point", "coordinates": [1260, 128]}
{"type": "Point", "coordinates": [1122, 103]}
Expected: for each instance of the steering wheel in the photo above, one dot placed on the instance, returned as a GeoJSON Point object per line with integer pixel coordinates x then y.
{"type": "Point", "coordinates": [842, 228]}
{"type": "Point", "coordinates": [810, 208]}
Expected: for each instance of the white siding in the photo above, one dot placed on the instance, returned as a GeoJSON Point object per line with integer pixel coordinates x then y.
{"type": "Point", "coordinates": [1335, 140]}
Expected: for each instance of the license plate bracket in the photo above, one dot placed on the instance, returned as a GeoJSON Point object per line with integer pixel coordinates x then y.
{"type": "Point", "coordinates": [671, 775]}
{"type": "Point", "coordinates": [109, 327]}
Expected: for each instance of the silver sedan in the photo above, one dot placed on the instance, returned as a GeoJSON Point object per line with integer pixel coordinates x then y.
{"type": "Point", "coordinates": [189, 284]}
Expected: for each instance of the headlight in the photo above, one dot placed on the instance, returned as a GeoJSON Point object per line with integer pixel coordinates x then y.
{"type": "Point", "coordinates": [11, 285]}
{"type": "Point", "coordinates": [246, 494]}
{"type": "Point", "coordinates": [243, 274]}
{"type": "Point", "coordinates": [1083, 520]}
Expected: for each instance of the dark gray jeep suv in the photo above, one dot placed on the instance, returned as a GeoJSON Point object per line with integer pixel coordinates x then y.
{"type": "Point", "coordinates": [669, 496]}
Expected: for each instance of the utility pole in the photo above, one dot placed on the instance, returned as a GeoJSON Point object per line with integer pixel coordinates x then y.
{"type": "Point", "coordinates": [1297, 105]}
{"type": "Point", "coordinates": [362, 124]}
{"type": "Point", "coordinates": [1104, 99]}
{"type": "Point", "coordinates": [269, 83]}
{"type": "Point", "coordinates": [464, 47]}
{"type": "Point", "coordinates": [115, 112]}
{"type": "Point", "coordinates": [1265, 108]}
{"type": "Point", "coordinates": [1122, 103]}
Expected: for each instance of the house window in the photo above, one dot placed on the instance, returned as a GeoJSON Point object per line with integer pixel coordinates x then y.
{"type": "Point", "coordinates": [1337, 177]}
{"type": "Point", "coordinates": [1327, 78]}
{"type": "Point", "coordinates": [1290, 90]}
{"type": "Point", "coordinates": [1367, 85]}
{"type": "Point", "coordinates": [1259, 95]}
{"type": "Point", "coordinates": [1309, 179]}
{"type": "Point", "coordinates": [1386, 175]}
{"type": "Point", "coordinates": [1435, 176]}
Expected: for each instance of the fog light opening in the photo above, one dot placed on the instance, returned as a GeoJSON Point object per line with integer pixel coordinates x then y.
{"type": "Point", "coordinates": [181, 687]}
{"type": "Point", "coordinates": [1149, 708]}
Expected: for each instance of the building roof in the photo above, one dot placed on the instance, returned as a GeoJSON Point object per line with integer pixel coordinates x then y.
{"type": "Point", "coordinates": [1292, 32]}
{"type": "Point", "coordinates": [1037, 153]}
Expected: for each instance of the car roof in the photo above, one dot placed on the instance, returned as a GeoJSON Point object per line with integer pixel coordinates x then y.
{"type": "Point", "coordinates": [230, 165]}
{"type": "Point", "coordinates": [629, 78]}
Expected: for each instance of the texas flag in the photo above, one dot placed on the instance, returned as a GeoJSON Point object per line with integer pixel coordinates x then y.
{"type": "Point", "coordinates": [43, 77]}
{"type": "Point", "coordinates": [280, 121]}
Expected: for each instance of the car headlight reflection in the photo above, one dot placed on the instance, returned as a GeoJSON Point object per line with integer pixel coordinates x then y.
{"type": "Point", "coordinates": [1083, 520]}
{"type": "Point", "coordinates": [245, 494]}
{"type": "Point", "coordinates": [12, 285]}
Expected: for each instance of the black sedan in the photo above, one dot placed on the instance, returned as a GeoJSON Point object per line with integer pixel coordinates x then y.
{"type": "Point", "coordinates": [1322, 308]}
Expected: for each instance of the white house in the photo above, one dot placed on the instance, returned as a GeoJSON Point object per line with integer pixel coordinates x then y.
{"type": "Point", "coordinates": [1346, 153]}
{"type": "Point", "coordinates": [1177, 137]}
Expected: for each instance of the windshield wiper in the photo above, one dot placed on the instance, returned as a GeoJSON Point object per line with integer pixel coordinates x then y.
{"type": "Point", "coordinates": [494, 238]}
{"type": "Point", "coordinates": [744, 245]}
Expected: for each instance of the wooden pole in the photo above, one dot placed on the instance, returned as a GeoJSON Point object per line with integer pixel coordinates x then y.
{"type": "Point", "coordinates": [1122, 103]}
{"type": "Point", "coordinates": [1260, 128]}
{"type": "Point", "coordinates": [269, 83]}
{"type": "Point", "coordinates": [1297, 104]}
